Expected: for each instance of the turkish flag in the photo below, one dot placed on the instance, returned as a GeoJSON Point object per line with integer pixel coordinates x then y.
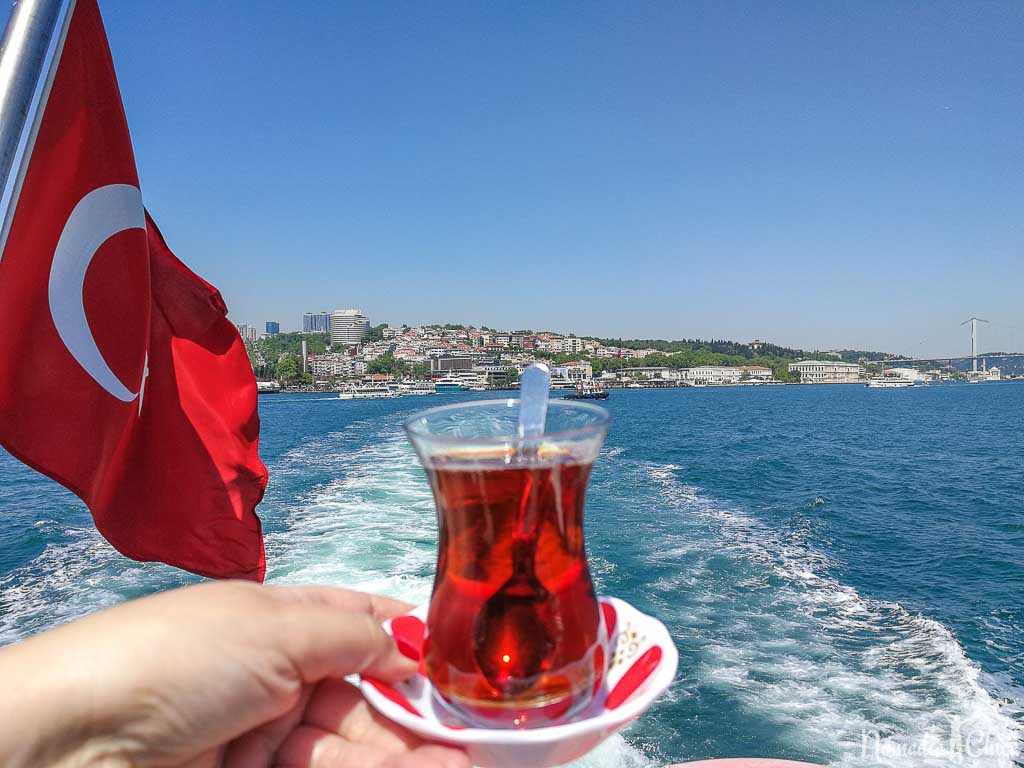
{"type": "Point", "coordinates": [120, 375]}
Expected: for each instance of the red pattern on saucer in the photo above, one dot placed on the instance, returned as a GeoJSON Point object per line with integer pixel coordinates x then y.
{"type": "Point", "coordinates": [641, 664]}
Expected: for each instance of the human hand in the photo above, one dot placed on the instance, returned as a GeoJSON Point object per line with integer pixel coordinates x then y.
{"type": "Point", "coordinates": [219, 675]}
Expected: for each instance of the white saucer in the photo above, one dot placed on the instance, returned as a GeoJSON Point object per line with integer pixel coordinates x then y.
{"type": "Point", "coordinates": [642, 665]}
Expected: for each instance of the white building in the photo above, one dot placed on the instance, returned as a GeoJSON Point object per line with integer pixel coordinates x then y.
{"type": "Point", "coordinates": [348, 326]}
{"type": "Point", "coordinates": [714, 375]}
{"type": "Point", "coordinates": [573, 372]}
{"type": "Point", "coordinates": [331, 364]}
{"type": "Point", "coordinates": [826, 372]}
{"type": "Point", "coordinates": [755, 373]}
{"type": "Point", "coordinates": [572, 345]}
{"type": "Point", "coordinates": [653, 373]}
{"type": "Point", "coordinates": [985, 374]}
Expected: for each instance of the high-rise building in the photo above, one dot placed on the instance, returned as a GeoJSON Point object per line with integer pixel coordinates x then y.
{"type": "Point", "coordinates": [348, 326]}
{"type": "Point", "coordinates": [316, 322]}
{"type": "Point", "coordinates": [273, 328]}
{"type": "Point", "coordinates": [246, 331]}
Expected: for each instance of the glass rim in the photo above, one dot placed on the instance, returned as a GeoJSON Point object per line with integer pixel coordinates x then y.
{"type": "Point", "coordinates": [602, 421]}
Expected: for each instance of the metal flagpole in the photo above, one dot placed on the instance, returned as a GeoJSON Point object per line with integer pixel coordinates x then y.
{"type": "Point", "coordinates": [25, 70]}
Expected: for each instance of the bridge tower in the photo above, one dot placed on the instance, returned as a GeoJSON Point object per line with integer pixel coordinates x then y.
{"type": "Point", "coordinates": [974, 339]}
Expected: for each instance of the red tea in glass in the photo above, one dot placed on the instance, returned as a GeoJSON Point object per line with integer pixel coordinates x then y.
{"type": "Point", "coordinates": [514, 635]}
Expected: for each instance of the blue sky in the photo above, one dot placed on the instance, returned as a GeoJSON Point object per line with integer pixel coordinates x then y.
{"type": "Point", "coordinates": [820, 174]}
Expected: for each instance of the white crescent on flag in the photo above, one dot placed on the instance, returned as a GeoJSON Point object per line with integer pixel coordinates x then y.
{"type": "Point", "coordinates": [96, 218]}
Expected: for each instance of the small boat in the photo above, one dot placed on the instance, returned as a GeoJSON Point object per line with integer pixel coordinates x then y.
{"type": "Point", "coordinates": [587, 391]}
{"type": "Point", "coordinates": [888, 382]}
{"type": "Point", "coordinates": [366, 392]}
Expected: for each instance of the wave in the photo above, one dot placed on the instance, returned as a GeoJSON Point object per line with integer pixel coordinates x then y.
{"type": "Point", "coordinates": [863, 681]}
{"type": "Point", "coordinates": [79, 575]}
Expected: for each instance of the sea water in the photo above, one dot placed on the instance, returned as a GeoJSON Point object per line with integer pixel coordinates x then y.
{"type": "Point", "coordinates": [842, 568]}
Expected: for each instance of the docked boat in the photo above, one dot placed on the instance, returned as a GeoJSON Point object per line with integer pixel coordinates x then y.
{"type": "Point", "coordinates": [587, 391]}
{"type": "Point", "coordinates": [450, 384]}
{"type": "Point", "coordinates": [366, 392]}
{"type": "Point", "coordinates": [888, 382]}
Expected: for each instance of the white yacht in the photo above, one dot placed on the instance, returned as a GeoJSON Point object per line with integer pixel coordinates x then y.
{"type": "Point", "coordinates": [450, 384]}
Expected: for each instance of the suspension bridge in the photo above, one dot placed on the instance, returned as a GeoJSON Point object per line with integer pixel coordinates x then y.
{"type": "Point", "coordinates": [974, 357]}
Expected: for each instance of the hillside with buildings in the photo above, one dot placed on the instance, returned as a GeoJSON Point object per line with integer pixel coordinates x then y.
{"type": "Point", "coordinates": [343, 345]}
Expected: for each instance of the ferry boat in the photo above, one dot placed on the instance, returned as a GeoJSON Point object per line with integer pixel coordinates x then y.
{"type": "Point", "coordinates": [587, 391]}
{"type": "Point", "coordinates": [366, 392]}
{"type": "Point", "coordinates": [417, 388]}
{"type": "Point", "coordinates": [450, 384]}
{"type": "Point", "coordinates": [888, 382]}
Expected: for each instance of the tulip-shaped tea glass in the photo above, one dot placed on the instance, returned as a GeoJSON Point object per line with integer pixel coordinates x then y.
{"type": "Point", "coordinates": [514, 632]}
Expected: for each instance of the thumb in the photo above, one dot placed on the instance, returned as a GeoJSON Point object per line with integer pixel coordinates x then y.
{"type": "Point", "coordinates": [322, 641]}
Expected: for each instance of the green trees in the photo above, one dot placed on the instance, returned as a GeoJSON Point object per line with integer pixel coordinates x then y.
{"type": "Point", "coordinates": [272, 347]}
{"type": "Point", "coordinates": [781, 373]}
{"type": "Point", "coordinates": [287, 369]}
{"type": "Point", "coordinates": [388, 365]}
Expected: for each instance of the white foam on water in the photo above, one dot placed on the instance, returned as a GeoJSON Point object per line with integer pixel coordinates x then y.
{"type": "Point", "coordinates": [802, 650]}
{"type": "Point", "coordinates": [862, 679]}
{"type": "Point", "coordinates": [73, 579]}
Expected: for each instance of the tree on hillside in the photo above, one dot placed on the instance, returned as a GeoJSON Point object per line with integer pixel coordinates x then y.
{"type": "Point", "coordinates": [387, 364]}
{"type": "Point", "coordinates": [287, 369]}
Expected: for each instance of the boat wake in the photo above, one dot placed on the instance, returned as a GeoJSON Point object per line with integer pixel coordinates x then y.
{"type": "Point", "coordinates": [854, 681]}
{"type": "Point", "coordinates": [778, 656]}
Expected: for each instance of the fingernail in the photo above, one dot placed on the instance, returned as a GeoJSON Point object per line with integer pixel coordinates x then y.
{"type": "Point", "coordinates": [407, 649]}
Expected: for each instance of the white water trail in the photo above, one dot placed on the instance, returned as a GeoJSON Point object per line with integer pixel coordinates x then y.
{"type": "Point", "coordinates": [863, 679]}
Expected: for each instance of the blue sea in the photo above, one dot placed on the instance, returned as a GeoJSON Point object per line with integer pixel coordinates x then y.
{"type": "Point", "coordinates": [842, 568]}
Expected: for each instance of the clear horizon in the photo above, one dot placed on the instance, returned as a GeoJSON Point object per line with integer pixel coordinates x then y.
{"type": "Point", "coordinates": [818, 176]}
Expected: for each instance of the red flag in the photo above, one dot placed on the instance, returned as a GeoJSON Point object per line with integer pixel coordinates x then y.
{"type": "Point", "coordinates": [122, 377]}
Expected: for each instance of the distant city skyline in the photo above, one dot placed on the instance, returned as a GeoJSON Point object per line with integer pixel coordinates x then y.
{"type": "Point", "coordinates": [820, 175]}
{"type": "Point", "coordinates": [987, 343]}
